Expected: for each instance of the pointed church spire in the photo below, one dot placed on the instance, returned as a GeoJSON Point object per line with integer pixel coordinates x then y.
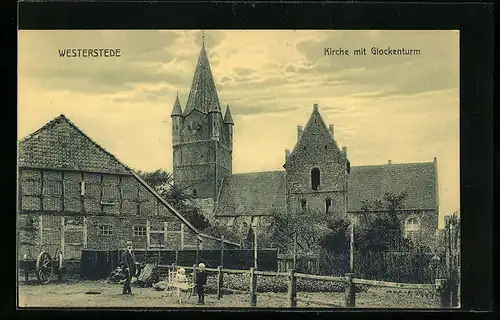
{"type": "Point", "coordinates": [177, 111]}
{"type": "Point", "coordinates": [227, 117]}
{"type": "Point", "coordinates": [203, 94]}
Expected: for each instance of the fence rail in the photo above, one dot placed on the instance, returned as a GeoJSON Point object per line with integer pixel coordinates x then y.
{"type": "Point", "coordinates": [316, 277]}
{"type": "Point", "coordinates": [441, 286]}
{"type": "Point", "coordinates": [394, 284]}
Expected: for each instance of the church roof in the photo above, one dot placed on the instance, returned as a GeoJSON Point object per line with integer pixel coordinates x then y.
{"type": "Point", "coordinates": [262, 193]}
{"type": "Point", "coordinates": [177, 111]}
{"type": "Point", "coordinates": [311, 131]}
{"type": "Point", "coordinates": [253, 194]}
{"type": "Point", "coordinates": [62, 145]}
{"type": "Point", "coordinates": [203, 95]}
{"type": "Point", "coordinates": [418, 180]}
{"type": "Point", "coordinates": [227, 117]}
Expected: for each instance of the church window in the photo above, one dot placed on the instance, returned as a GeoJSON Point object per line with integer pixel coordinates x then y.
{"type": "Point", "coordinates": [315, 178]}
{"type": "Point", "coordinates": [412, 228]}
{"type": "Point", "coordinates": [194, 192]}
{"type": "Point", "coordinates": [326, 147]}
{"type": "Point", "coordinates": [314, 120]}
{"type": "Point", "coordinates": [303, 204]}
{"type": "Point", "coordinates": [202, 156]}
{"type": "Point", "coordinates": [328, 205]}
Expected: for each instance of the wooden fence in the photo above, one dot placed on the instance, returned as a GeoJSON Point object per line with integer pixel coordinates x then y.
{"type": "Point", "coordinates": [441, 287]}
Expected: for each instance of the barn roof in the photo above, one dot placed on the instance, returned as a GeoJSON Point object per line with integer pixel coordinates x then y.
{"type": "Point", "coordinates": [262, 193]}
{"type": "Point", "coordinates": [253, 194]}
{"type": "Point", "coordinates": [60, 144]}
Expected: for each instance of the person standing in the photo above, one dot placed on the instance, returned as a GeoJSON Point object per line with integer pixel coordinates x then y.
{"type": "Point", "coordinates": [201, 281]}
{"type": "Point", "coordinates": [128, 265]}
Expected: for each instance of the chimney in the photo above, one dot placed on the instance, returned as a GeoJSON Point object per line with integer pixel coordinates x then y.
{"type": "Point", "coordinates": [287, 154]}
{"type": "Point", "coordinates": [331, 129]}
{"type": "Point", "coordinates": [389, 162]}
{"type": "Point", "coordinates": [344, 150]}
{"type": "Point", "coordinates": [315, 106]}
{"type": "Point", "coordinates": [299, 132]}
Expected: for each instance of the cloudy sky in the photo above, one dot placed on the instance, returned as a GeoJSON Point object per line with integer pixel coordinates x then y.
{"type": "Point", "coordinates": [403, 108]}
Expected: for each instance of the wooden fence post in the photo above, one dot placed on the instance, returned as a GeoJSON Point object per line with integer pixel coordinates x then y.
{"type": "Point", "coordinates": [194, 274]}
{"type": "Point", "coordinates": [220, 281]}
{"type": "Point", "coordinates": [443, 293]}
{"type": "Point", "coordinates": [292, 289]}
{"type": "Point", "coordinates": [253, 288]}
{"type": "Point", "coordinates": [350, 291]}
{"type": "Point", "coordinates": [221, 251]}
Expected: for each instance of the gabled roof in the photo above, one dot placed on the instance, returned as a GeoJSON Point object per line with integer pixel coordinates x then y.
{"type": "Point", "coordinates": [60, 144]}
{"type": "Point", "coordinates": [177, 111]}
{"type": "Point", "coordinates": [418, 180]}
{"type": "Point", "coordinates": [227, 117]}
{"type": "Point", "coordinates": [314, 120]}
{"type": "Point", "coordinates": [203, 95]}
{"type": "Point", "coordinates": [255, 194]}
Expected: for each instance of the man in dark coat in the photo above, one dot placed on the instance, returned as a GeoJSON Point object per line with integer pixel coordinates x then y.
{"type": "Point", "coordinates": [201, 281]}
{"type": "Point", "coordinates": [128, 265]}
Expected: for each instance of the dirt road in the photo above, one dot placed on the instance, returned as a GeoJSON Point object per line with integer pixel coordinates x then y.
{"type": "Point", "coordinates": [74, 295]}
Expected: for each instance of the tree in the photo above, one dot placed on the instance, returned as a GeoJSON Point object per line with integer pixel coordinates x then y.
{"type": "Point", "coordinates": [382, 230]}
{"type": "Point", "coordinates": [311, 229]}
{"type": "Point", "coordinates": [162, 182]}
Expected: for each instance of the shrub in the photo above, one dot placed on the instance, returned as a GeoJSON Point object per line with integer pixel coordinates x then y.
{"type": "Point", "coordinates": [276, 284]}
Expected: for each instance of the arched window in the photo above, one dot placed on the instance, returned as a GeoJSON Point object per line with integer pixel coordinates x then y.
{"type": "Point", "coordinates": [412, 228]}
{"type": "Point", "coordinates": [194, 192]}
{"type": "Point", "coordinates": [328, 205]}
{"type": "Point", "coordinates": [315, 178]}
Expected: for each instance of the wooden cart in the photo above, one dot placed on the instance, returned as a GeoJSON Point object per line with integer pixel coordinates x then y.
{"type": "Point", "coordinates": [44, 266]}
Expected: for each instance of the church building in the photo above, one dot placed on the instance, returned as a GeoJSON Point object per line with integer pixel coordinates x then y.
{"type": "Point", "coordinates": [317, 172]}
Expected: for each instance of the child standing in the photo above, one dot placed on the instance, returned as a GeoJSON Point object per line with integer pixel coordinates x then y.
{"type": "Point", "coordinates": [201, 281]}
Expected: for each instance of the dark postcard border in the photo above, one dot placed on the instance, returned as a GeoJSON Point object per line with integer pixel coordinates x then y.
{"type": "Point", "coordinates": [474, 20]}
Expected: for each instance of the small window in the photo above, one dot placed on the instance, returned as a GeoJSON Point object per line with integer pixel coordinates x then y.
{"type": "Point", "coordinates": [412, 228]}
{"type": "Point", "coordinates": [326, 147]}
{"type": "Point", "coordinates": [202, 156]}
{"type": "Point", "coordinates": [194, 192]}
{"type": "Point", "coordinates": [303, 204]}
{"type": "Point", "coordinates": [139, 231]}
{"type": "Point", "coordinates": [328, 205]}
{"type": "Point", "coordinates": [314, 120]}
{"type": "Point", "coordinates": [255, 221]}
{"type": "Point", "coordinates": [315, 178]}
{"type": "Point", "coordinates": [105, 230]}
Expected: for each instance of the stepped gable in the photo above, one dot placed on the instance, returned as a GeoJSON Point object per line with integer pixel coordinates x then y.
{"type": "Point", "coordinates": [255, 194]}
{"type": "Point", "coordinates": [203, 94]}
{"type": "Point", "coordinates": [418, 180]}
{"type": "Point", "coordinates": [60, 144]}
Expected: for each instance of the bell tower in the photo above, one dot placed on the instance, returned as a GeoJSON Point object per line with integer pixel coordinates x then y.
{"type": "Point", "coordinates": [201, 137]}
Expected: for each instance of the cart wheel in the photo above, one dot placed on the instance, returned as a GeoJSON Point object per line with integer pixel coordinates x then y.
{"type": "Point", "coordinates": [44, 267]}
